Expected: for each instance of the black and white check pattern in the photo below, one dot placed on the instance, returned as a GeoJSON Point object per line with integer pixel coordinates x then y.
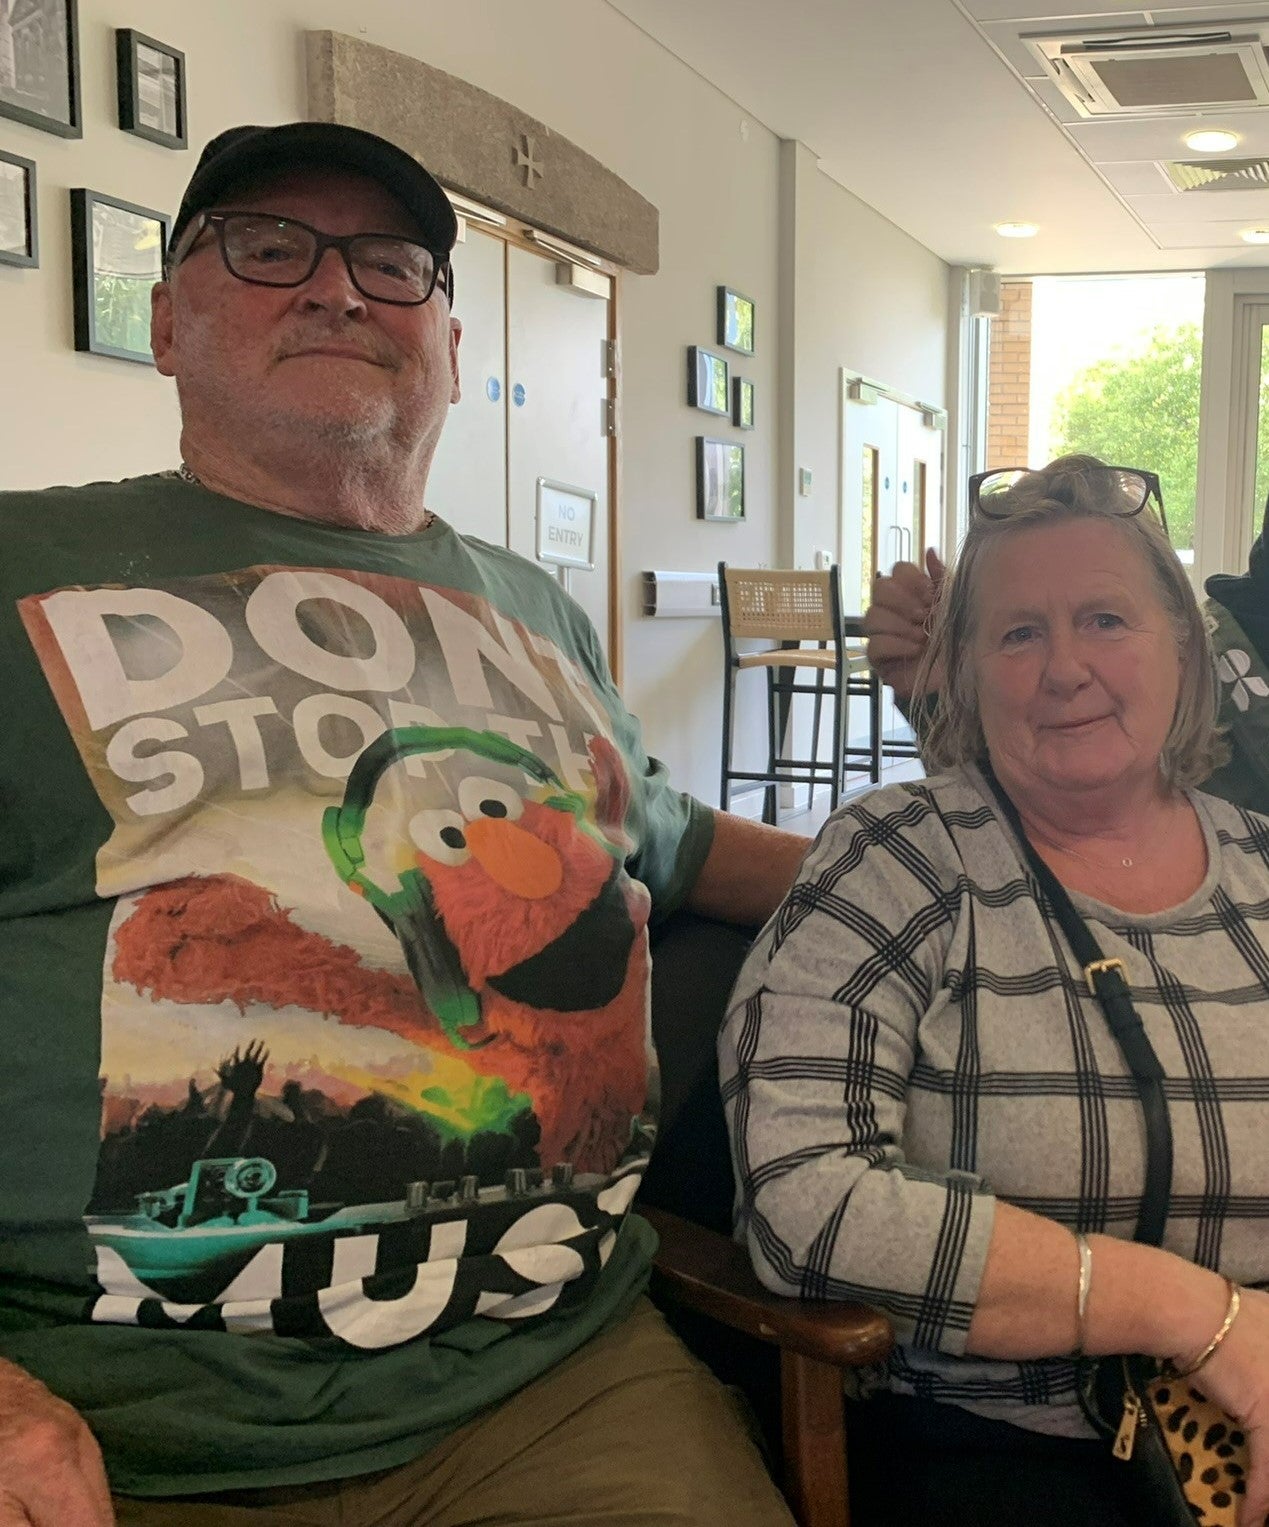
{"type": "Point", "coordinates": [912, 1039]}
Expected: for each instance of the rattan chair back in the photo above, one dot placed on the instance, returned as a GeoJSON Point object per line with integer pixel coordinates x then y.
{"type": "Point", "coordinates": [783, 604]}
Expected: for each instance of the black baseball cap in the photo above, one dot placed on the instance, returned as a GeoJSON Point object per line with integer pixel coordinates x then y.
{"type": "Point", "coordinates": [240, 152]}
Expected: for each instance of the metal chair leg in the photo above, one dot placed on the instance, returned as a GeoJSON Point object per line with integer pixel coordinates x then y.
{"type": "Point", "coordinates": [874, 722]}
{"type": "Point", "coordinates": [729, 691]}
{"type": "Point", "coordinates": [817, 708]}
{"type": "Point", "coordinates": [770, 804]}
{"type": "Point", "coordinates": [841, 725]}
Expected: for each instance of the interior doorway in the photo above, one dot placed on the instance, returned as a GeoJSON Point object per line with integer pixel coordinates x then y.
{"type": "Point", "coordinates": [891, 506]}
{"type": "Point", "coordinates": [538, 407]}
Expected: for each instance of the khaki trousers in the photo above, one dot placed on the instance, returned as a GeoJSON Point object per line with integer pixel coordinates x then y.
{"type": "Point", "coordinates": [631, 1431]}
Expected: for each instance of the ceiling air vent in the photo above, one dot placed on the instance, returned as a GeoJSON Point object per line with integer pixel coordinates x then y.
{"type": "Point", "coordinates": [1158, 71]}
{"type": "Point", "coordinates": [1228, 175]}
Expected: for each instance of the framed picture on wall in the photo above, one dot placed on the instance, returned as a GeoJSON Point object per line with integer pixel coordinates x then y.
{"type": "Point", "coordinates": [742, 402]}
{"type": "Point", "coordinates": [151, 80]}
{"type": "Point", "coordinates": [720, 479]}
{"type": "Point", "coordinates": [39, 65]}
{"type": "Point", "coordinates": [707, 380]}
{"type": "Point", "coordinates": [19, 235]}
{"type": "Point", "coordinates": [117, 251]}
{"type": "Point", "coordinates": [735, 320]}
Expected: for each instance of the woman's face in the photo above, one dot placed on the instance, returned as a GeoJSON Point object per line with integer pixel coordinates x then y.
{"type": "Point", "coordinates": [1076, 664]}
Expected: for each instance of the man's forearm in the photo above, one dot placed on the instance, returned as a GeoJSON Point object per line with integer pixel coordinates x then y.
{"type": "Point", "coordinates": [749, 869]}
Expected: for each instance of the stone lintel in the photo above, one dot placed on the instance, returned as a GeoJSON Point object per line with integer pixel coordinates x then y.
{"type": "Point", "coordinates": [482, 147]}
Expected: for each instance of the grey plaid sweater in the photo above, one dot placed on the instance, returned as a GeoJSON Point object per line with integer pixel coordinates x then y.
{"type": "Point", "coordinates": [911, 1039]}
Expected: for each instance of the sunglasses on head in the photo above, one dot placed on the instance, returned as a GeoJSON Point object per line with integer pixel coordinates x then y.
{"type": "Point", "coordinates": [1123, 491]}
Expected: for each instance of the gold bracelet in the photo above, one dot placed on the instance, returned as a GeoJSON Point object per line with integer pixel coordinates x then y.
{"type": "Point", "coordinates": [1081, 1293]}
{"type": "Point", "coordinates": [1231, 1314]}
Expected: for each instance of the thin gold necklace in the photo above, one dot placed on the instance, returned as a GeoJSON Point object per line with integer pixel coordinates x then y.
{"type": "Point", "coordinates": [1126, 862]}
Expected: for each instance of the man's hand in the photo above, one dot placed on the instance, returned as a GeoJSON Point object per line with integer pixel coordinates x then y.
{"type": "Point", "coordinates": [896, 623]}
{"type": "Point", "coordinates": [51, 1473]}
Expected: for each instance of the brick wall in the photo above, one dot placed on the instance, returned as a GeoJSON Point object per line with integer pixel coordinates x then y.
{"type": "Point", "coordinates": [1009, 378]}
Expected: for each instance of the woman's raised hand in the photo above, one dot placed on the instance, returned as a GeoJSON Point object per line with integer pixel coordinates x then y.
{"type": "Point", "coordinates": [897, 622]}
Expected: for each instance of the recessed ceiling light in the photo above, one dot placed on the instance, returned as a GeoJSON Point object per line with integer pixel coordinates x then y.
{"type": "Point", "coordinates": [1017, 230]}
{"type": "Point", "coordinates": [1255, 235]}
{"type": "Point", "coordinates": [1211, 140]}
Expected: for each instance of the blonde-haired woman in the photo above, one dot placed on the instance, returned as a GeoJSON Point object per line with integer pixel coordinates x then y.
{"type": "Point", "coordinates": [928, 1109]}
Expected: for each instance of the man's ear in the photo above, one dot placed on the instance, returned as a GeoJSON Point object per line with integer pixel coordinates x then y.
{"type": "Point", "coordinates": [455, 335]}
{"type": "Point", "coordinates": [161, 326]}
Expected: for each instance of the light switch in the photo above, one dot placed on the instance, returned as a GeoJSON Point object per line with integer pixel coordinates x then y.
{"type": "Point", "coordinates": [804, 482]}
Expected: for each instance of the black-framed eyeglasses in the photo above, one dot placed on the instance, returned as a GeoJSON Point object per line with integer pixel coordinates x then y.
{"type": "Point", "coordinates": [282, 251]}
{"type": "Point", "coordinates": [1116, 490]}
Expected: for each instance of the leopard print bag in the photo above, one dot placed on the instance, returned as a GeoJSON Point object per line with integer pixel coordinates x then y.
{"type": "Point", "coordinates": [1188, 1459]}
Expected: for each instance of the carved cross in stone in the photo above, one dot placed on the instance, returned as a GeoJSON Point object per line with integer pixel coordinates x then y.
{"type": "Point", "coordinates": [526, 162]}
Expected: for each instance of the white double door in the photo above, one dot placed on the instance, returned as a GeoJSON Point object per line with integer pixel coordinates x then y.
{"type": "Point", "coordinates": [533, 363]}
{"type": "Point", "coordinates": [891, 499]}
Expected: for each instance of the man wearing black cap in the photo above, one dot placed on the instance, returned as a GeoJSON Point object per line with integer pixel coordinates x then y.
{"type": "Point", "coordinates": [328, 857]}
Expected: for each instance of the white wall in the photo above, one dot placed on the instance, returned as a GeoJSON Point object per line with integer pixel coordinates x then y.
{"type": "Point", "coordinates": [870, 298]}
{"type": "Point", "coordinates": [865, 292]}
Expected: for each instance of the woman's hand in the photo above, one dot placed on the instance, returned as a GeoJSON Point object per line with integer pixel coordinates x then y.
{"type": "Point", "coordinates": [51, 1473]}
{"type": "Point", "coordinates": [1236, 1377]}
{"type": "Point", "coordinates": [895, 623]}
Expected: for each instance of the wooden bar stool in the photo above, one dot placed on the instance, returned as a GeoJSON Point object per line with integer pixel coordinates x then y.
{"type": "Point", "coordinates": [787, 608]}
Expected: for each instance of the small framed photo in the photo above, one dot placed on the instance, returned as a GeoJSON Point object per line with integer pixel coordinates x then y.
{"type": "Point", "coordinates": [707, 381]}
{"type": "Point", "coordinates": [742, 402]}
{"type": "Point", "coordinates": [19, 234]}
{"type": "Point", "coordinates": [735, 320]}
{"type": "Point", "coordinates": [117, 251]}
{"type": "Point", "coordinates": [39, 65]}
{"type": "Point", "coordinates": [720, 479]}
{"type": "Point", "coordinates": [151, 79]}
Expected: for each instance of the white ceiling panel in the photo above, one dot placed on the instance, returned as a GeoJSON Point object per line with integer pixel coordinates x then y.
{"type": "Point", "coordinates": [1163, 137]}
{"type": "Point", "coordinates": [1076, 11]}
{"type": "Point", "coordinates": [1218, 208]}
{"type": "Point", "coordinates": [1203, 14]}
{"type": "Point", "coordinates": [910, 105]}
{"type": "Point", "coordinates": [1054, 102]}
{"type": "Point", "coordinates": [1192, 236]}
{"type": "Point", "coordinates": [1006, 39]}
{"type": "Point", "coordinates": [1140, 178]}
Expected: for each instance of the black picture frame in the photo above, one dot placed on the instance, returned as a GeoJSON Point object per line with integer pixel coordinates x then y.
{"type": "Point", "coordinates": [720, 480]}
{"type": "Point", "coordinates": [736, 318]}
{"type": "Point", "coordinates": [151, 83]}
{"type": "Point", "coordinates": [19, 218]}
{"type": "Point", "coordinates": [117, 253]}
{"type": "Point", "coordinates": [708, 384]}
{"type": "Point", "coordinates": [39, 66]}
{"type": "Point", "coordinates": [742, 402]}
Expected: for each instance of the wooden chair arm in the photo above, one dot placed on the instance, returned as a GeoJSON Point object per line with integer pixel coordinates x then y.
{"type": "Point", "coordinates": [708, 1272]}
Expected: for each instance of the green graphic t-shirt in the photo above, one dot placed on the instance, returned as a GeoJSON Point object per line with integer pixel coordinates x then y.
{"type": "Point", "coordinates": [326, 861]}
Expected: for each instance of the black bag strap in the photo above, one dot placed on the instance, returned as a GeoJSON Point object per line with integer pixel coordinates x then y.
{"type": "Point", "coordinates": [1105, 979]}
